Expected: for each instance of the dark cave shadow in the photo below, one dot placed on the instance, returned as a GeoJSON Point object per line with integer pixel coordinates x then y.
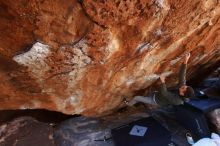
{"type": "Point", "coordinates": [41, 115]}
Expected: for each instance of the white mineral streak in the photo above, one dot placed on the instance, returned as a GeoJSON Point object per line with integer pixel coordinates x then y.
{"type": "Point", "coordinates": [143, 47]}
{"type": "Point", "coordinates": [129, 82]}
{"type": "Point", "coordinates": [153, 77]}
{"type": "Point", "coordinates": [34, 60]}
{"type": "Point", "coordinates": [113, 45]}
{"type": "Point", "coordinates": [199, 58]}
{"type": "Point", "coordinates": [162, 4]}
{"type": "Point", "coordinates": [80, 60]}
{"type": "Point", "coordinates": [174, 61]}
{"type": "Point", "coordinates": [208, 4]}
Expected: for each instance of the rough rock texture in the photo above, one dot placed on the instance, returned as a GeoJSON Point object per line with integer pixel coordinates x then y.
{"type": "Point", "coordinates": [81, 57]}
{"type": "Point", "coordinates": [84, 131]}
{"type": "Point", "coordinates": [214, 117]}
{"type": "Point", "coordinates": [26, 131]}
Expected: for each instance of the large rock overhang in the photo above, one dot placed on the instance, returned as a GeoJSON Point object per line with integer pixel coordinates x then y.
{"type": "Point", "coordinates": [82, 57]}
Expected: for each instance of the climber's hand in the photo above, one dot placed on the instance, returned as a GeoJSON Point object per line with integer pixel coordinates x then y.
{"type": "Point", "coordinates": [162, 78]}
{"type": "Point", "coordinates": [187, 56]}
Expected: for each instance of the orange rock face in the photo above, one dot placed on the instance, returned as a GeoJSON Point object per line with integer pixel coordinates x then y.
{"type": "Point", "coordinates": [82, 57]}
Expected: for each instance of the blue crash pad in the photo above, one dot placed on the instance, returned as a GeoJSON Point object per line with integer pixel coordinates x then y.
{"type": "Point", "coordinates": [204, 105]}
{"type": "Point", "coordinates": [143, 132]}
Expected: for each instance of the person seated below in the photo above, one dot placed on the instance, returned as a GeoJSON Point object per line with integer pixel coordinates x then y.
{"type": "Point", "coordinates": [165, 97]}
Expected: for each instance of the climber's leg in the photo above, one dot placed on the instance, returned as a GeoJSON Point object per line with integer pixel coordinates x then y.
{"type": "Point", "coordinates": [143, 99]}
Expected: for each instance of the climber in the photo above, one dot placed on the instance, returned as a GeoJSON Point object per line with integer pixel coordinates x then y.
{"type": "Point", "coordinates": [165, 97]}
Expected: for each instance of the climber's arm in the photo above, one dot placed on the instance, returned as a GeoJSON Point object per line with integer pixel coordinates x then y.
{"type": "Point", "coordinates": [163, 88]}
{"type": "Point", "coordinates": [182, 72]}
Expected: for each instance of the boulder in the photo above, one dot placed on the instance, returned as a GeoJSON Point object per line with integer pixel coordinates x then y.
{"type": "Point", "coordinates": [26, 131]}
{"type": "Point", "coordinates": [83, 57]}
{"type": "Point", "coordinates": [87, 131]}
{"type": "Point", "coordinates": [93, 131]}
{"type": "Point", "coordinates": [214, 118]}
